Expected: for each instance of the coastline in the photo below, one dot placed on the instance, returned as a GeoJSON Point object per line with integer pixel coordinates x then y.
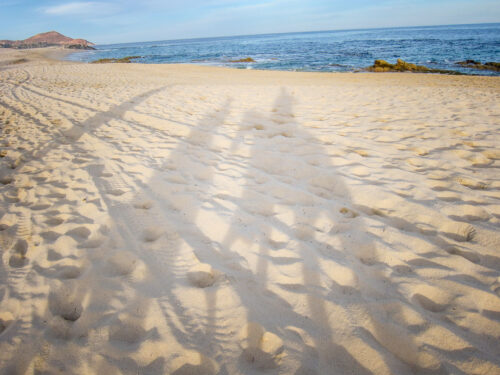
{"type": "Point", "coordinates": [10, 56]}
{"type": "Point", "coordinates": [175, 218]}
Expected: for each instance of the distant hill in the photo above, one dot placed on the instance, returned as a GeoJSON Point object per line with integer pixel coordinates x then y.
{"type": "Point", "coordinates": [52, 38]}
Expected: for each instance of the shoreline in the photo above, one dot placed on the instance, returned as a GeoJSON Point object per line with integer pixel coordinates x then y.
{"type": "Point", "coordinates": [408, 67]}
{"type": "Point", "coordinates": [175, 218]}
{"type": "Point", "coordinates": [57, 54]}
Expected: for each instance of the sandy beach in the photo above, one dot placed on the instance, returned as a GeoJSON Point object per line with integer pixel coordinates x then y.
{"type": "Point", "coordinates": [179, 219]}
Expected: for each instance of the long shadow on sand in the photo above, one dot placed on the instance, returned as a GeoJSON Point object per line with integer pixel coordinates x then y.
{"type": "Point", "coordinates": [276, 243]}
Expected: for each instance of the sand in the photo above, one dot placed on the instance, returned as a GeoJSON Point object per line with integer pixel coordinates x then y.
{"type": "Point", "coordinates": [180, 219]}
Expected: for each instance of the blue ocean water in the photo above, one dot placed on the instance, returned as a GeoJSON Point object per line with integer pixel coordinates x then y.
{"type": "Point", "coordinates": [438, 47]}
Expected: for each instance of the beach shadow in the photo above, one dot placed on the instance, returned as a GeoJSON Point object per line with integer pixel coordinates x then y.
{"type": "Point", "coordinates": [276, 242]}
{"type": "Point", "coordinates": [279, 194]}
{"type": "Point", "coordinates": [63, 316]}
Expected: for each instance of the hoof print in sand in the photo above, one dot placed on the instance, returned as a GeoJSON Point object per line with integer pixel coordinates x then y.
{"type": "Point", "coordinates": [431, 298]}
{"type": "Point", "coordinates": [121, 264]}
{"type": "Point", "coordinates": [69, 272]}
{"type": "Point", "coordinates": [457, 231]}
{"type": "Point", "coordinates": [63, 270]}
{"type": "Point", "coordinates": [63, 303]}
{"type": "Point", "coordinates": [19, 259]}
{"type": "Point", "coordinates": [469, 255]}
{"type": "Point", "coordinates": [472, 184]}
{"type": "Point", "coordinates": [54, 221]}
{"type": "Point", "coordinates": [6, 179]}
{"type": "Point", "coordinates": [201, 276]}
{"type": "Point", "coordinates": [194, 363]}
{"type": "Point", "coordinates": [465, 213]}
{"type": "Point", "coordinates": [79, 233]}
{"type": "Point", "coordinates": [128, 331]}
{"type": "Point", "coordinates": [152, 234]}
{"type": "Point", "coordinates": [60, 328]}
{"type": "Point", "coordinates": [262, 349]}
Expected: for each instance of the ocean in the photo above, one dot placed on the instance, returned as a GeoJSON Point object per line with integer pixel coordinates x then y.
{"type": "Point", "coordinates": [437, 47]}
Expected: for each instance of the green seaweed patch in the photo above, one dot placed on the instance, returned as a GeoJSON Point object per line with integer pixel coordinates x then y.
{"type": "Point", "coordinates": [472, 64]}
{"type": "Point", "coordinates": [403, 66]}
{"type": "Point", "coordinates": [245, 60]}
{"type": "Point", "coordinates": [123, 60]}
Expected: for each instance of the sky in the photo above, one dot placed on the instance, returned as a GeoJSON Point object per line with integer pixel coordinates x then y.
{"type": "Point", "coordinates": [121, 21]}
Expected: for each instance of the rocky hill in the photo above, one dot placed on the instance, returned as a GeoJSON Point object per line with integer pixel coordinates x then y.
{"type": "Point", "coordinates": [52, 38]}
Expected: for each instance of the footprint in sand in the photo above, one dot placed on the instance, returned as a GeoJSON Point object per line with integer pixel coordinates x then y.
{"type": "Point", "coordinates": [202, 276]}
{"type": "Point", "coordinates": [54, 221]}
{"type": "Point", "coordinates": [128, 330]}
{"type": "Point", "coordinates": [440, 185]}
{"type": "Point", "coordinates": [261, 348]}
{"type": "Point", "coordinates": [64, 269]}
{"type": "Point", "coordinates": [151, 234]}
{"type": "Point", "coordinates": [42, 204]}
{"type": "Point", "coordinates": [6, 179]}
{"type": "Point", "coordinates": [399, 342]}
{"type": "Point", "coordinates": [93, 243]}
{"type": "Point", "coordinates": [50, 235]}
{"type": "Point", "coordinates": [458, 231]}
{"type": "Point", "coordinates": [449, 196]}
{"type": "Point", "coordinates": [60, 328]}
{"type": "Point", "coordinates": [467, 213]}
{"type": "Point", "coordinates": [431, 298]}
{"type": "Point", "coordinates": [193, 363]}
{"type": "Point", "coordinates": [469, 255]}
{"type": "Point", "coordinates": [366, 254]}
{"type": "Point", "coordinates": [472, 184]}
{"type": "Point", "coordinates": [19, 259]}
{"type": "Point", "coordinates": [63, 302]}
{"type": "Point", "coordinates": [79, 233]}
{"type": "Point", "coordinates": [121, 264]}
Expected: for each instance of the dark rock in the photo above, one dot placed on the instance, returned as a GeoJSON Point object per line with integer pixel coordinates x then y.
{"type": "Point", "coordinates": [400, 66]}
{"type": "Point", "coordinates": [403, 66]}
{"type": "Point", "coordinates": [472, 64]}
{"type": "Point", "coordinates": [247, 59]}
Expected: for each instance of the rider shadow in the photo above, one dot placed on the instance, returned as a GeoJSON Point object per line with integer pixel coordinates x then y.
{"type": "Point", "coordinates": [279, 202]}
{"type": "Point", "coordinates": [62, 317]}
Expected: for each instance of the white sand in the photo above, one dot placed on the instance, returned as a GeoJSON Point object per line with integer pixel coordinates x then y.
{"type": "Point", "coordinates": [190, 220]}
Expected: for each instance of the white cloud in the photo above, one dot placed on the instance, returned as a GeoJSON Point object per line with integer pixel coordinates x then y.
{"type": "Point", "coordinates": [88, 7]}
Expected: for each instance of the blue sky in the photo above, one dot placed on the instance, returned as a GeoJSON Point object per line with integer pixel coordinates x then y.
{"type": "Point", "coordinates": [116, 21]}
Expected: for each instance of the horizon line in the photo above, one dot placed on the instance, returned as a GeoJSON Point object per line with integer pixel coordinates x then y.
{"type": "Point", "coordinates": [297, 32]}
